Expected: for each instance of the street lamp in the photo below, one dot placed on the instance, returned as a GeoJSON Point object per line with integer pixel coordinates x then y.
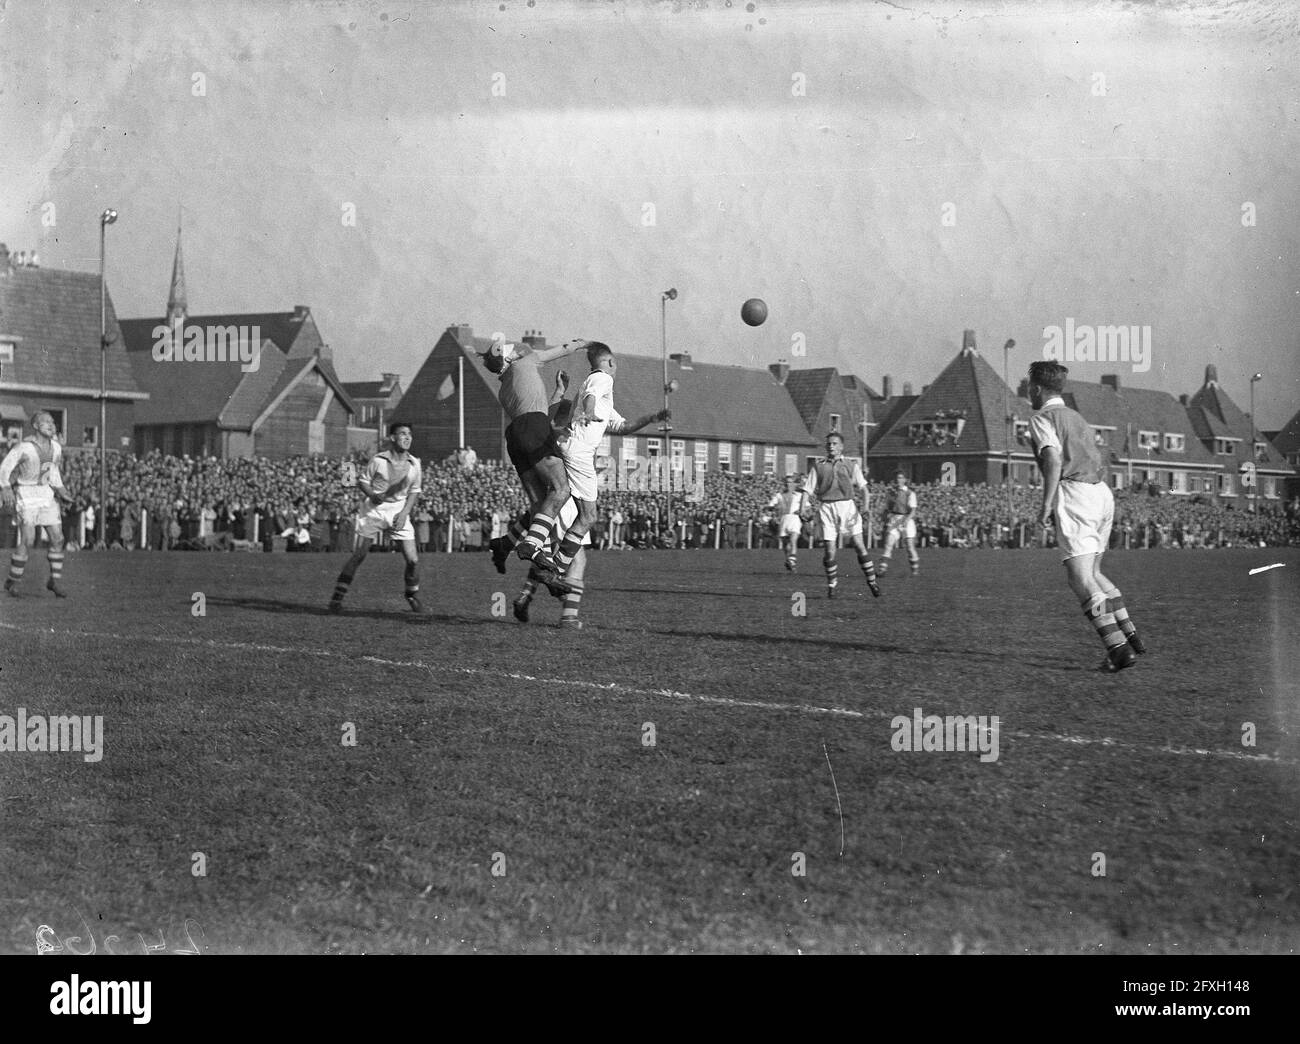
{"type": "Point", "coordinates": [669, 387]}
{"type": "Point", "coordinates": [1254, 496]}
{"type": "Point", "coordinates": [105, 219]}
{"type": "Point", "coordinates": [1006, 410]}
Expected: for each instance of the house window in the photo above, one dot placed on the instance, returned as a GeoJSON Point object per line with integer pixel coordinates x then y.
{"type": "Point", "coordinates": [724, 456]}
{"type": "Point", "coordinates": [1223, 447]}
{"type": "Point", "coordinates": [792, 463]}
{"type": "Point", "coordinates": [653, 447]}
{"type": "Point", "coordinates": [1117, 479]}
{"type": "Point", "coordinates": [701, 457]}
{"type": "Point", "coordinates": [1179, 482]}
{"type": "Point", "coordinates": [769, 460]}
{"type": "Point", "coordinates": [604, 450]}
{"type": "Point", "coordinates": [747, 458]}
{"type": "Point", "coordinates": [1268, 487]}
{"type": "Point", "coordinates": [60, 421]}
{"type": "Point", "coordinates": [6, 352]}
{"type": "Point", "coordinates": [629, 450]}
{"type": "Point", "coordinates": [1148, 440]}
{"type": "Point", "coordinates": [1225, 485]}
{"type": "Point", "coordinates": [90, 435]}
{"type": "Point", "coordinates": [677, 451]}
{"type": "Point", "coordinates": [1175, 443]}
{"type": "Point", "coordinates": [1101, 436]}
{"type": "Point", "coordinates": [1261, 451]}
{"type": "Point", "coordinates": [835, 422]}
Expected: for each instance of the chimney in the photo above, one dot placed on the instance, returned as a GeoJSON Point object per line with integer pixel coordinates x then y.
{"type": "Point", "coordinates": [1022, 392]}
{"type": "Point", "coordinates": [1211, 375]}
{"type": "Point", "coordinates": [967, 341]}
{"type": "Point", "coordinates": [682, 359]}
{"type": "Point", "coordinates": [388, 380]}
{"type": "Point", "coordinates": [887, 386]}
{"type": "Point", "coordinates": [907, 387]}
{"type": "Point", "coordinates": [300, 312]}
{"type": "Point", "coordinates": [1182, 399]}
{"type": "Point", "coordinates": [464, 334]}
{"type": "Point", "coordinates": [780, 370]}
{"type": "Point", "coordinates": [1111, 380]}
{"type": "Point", "coordinates": [534, 339]}
{"type": "Point", "coordinates": [325, 353]}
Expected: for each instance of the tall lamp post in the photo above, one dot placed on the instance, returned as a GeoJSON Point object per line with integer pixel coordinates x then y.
{"type": "Point", "coordinates": [105, 219]}
{"type": "Point", "coordinates": [669, 386]}
{"type": "Point", "coordinates": [1254, 496]}
{"type": "Point", "coordinates": [1006, 431]}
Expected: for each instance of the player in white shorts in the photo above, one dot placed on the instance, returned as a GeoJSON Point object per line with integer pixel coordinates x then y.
{"type": "Point", "coordinates": [593, 415]}
{"type": "Point", "coordinates": [834, 481]}
{"type": "Point", "coordinates": [789, 507]}
{"type": "Point", "coordinates": [391, 484]}
{"type": "Point", "coordinates": [1075, 493]}
{"type": "Point", "coordinates": [31, 469]}
{"type": "Point", "coordinates": [900, 524]}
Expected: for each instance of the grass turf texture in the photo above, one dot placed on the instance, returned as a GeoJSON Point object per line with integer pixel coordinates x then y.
{"type": "Point", "coordinates": [478, 735]}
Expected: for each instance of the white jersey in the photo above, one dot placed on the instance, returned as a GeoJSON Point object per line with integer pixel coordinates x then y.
{"type": "Point", "coordinates": [26, 465]}
{"type": "Point", "coordinates": [399, 478]}
{"type": "Point", "coordinates": [787, 503]}
{"type": "Point", "coordinates": [586, 430]}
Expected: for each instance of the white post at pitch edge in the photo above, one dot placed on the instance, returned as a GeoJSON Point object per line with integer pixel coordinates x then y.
{"type": "Point", "coordinates": [451, 528]}
{"type": "Point", "coordinates": [460, 400]}
{"type": "Point", "coordinates": [144, 529]}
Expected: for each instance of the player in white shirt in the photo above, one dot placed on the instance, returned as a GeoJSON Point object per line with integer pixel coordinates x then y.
{"type": "Point", "coordinates": [391, 484]}
{"type": "Point", "coordinates": [789, 509]}
{"type": "Point", "coordinates": [593, 416]}
{"type": "Point", "coordinates": [833, 481]}
{"type": "Point", "coordinates": [31, 484]}
{"type": "Point", "coordinates": [900, 524]}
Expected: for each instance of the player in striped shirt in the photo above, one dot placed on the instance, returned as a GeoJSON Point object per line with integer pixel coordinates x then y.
{"type": "Point", "coordinates": [900, 524]}
{"type": "Point", "coordinates": [391, 484]}
{"type": "Point", "coordinates": [1076, 494]}
{"type": "Point", "coordinates": [32, 468]}
{"type": "Point", "coordinates": [789, 509]}
{"type": "Point", "coordinates": [834, 481]}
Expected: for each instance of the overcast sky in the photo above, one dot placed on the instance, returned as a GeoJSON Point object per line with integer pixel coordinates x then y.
{"type": "Point", "coordinates": [1093, 159]}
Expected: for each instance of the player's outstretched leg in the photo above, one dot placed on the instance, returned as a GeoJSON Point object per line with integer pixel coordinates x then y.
{"type": "Point", "coordinates": [569, 614]}
{"type": "Point", "coordinates": [411, 576]}
{"type": "Point", "coordinates": [344, 583]}
{"type": "Point", "coordinates": [502, 546]}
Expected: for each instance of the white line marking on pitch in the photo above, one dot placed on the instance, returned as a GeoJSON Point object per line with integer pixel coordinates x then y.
{"type": "Point", "coordinates": [1265, 569]}
{"type": "Point", "coordinates": [627, 690]}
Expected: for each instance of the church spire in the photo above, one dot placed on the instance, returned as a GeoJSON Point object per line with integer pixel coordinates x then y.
{"type": "Point", "coordinates": [177, 308]}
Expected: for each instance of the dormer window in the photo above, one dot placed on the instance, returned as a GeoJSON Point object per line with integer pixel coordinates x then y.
{"type": "Point", "coordinates": [1175, 443]}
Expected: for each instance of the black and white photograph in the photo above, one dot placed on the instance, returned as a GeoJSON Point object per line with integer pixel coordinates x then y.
{"type": "Point", "coordinates": [585, 477]}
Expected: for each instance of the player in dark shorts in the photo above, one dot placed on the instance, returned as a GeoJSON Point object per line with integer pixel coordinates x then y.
{"type": "Point", "coordinates": [530, 442]}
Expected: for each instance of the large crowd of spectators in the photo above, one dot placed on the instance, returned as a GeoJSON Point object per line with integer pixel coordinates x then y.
{"type": "Point", "coordinates": [165, 502]}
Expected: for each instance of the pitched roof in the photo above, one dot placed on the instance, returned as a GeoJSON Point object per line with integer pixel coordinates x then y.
{"type": "Point", "coordinates": [1130, 410]}
{"type": "Point", "coordinates": [807, 390]}
{"type": "Point", "coordinates": [1215, 415]}
{"type": "Point", "coordinates": [366, 389]}
{"type": "Point", "coordinates": [282, 328]}
{"type": "Point", "coordinates": [712, 401]}
{"type": "Point", "coordinates": [54, 316]}
{"type": "Point", "coordinates": [1287, 440]}
{"type": "Point", "coordinates": [968, 384]}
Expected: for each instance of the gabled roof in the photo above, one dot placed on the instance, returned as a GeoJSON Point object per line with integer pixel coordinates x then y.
{"type": "Point", "coordinates": [371, 389]}
{"type": "Point", "coordinates": [887, 411]}
{"type": "Point", "coordinates": [1130, 410]}
{"type": "Point", "coordinates": [1287, 441]}
{"type": "Point", "coordinates": [1215, 415]}
{"type": "Point", "coordinates": [54, 315]}
{"type": "Point", "coordinates": [281, 328]}
{"type": "Point", "coordinates": [712, 402]}
{"type": "Point", "coordinates": [807, 390]}
{"type": "Point", "coordinates": [969, 384]}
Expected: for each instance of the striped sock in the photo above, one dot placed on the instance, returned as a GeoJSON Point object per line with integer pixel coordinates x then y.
{"type": "Point", "coordinates": [412, 578]}
{"type": "Point", "coordinates": [868, 568]}
{"type": "Point", "coordinates": [832, 574]}
{"type": "Point", "coordinates": [572, 600]}
{"type": "Point", "coordinates": [17, 565]}
{"type": "Point", "coordinates": [515, 533]}
{"type": "Point", "coordinates": [343, 584]}
{"type": "Point", "coordinates": [1095, 609]}
{"type": "Point", "coordinates": [528, 590]}
{"type": "Point", "coordinates": [1115, 605]}
{"type": "Point", "coordinates": [535, 539]}
{"type": "Point", "coordinates": [568, 550]}
{"type": "Point", "coordinates": [55, 558]}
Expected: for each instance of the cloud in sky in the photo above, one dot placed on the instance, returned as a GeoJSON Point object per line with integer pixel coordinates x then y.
{"type": "Point", "coordinates": [526, 209]}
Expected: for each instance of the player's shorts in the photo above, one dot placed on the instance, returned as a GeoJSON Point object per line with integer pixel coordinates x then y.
{"type": "Point", "coordinates": [36, 506]}
{"type": "Point", "coordinates": [1085, 512]}
{"type": "Point", "coordinates": [900, 527]}
{"type": "Point", "coordinates": [838, 518]}
{"type": "Point", "coordinates": [529, 440]}
{"type": "Point", "coordinates": [374, 519]}
{"type": "Point", "coordinates": [580, 466]}
{"type": "Point", "coordinates": [791, 525]}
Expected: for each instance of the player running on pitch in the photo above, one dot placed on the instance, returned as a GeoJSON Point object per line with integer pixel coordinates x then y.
{"type": "Point", "coordinates": [833, 481]}
{"type": "Point", "coordinates": [789, 508]}
{"type": "Point", "coordinates": [530, 442]}
{"type": "Point", "coordinates": [593, 416]}
{"type": "Point", "coordinates": [900, 524]}
{"type": "Point", "coordinates": [391, 484]}
{"type": "Point", "coordinates": [1075, 491]}
{"type": "Point", "coordinates": [33, 467]}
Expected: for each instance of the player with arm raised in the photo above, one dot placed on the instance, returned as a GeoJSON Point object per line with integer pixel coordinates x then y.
{"type": "Point", "coordinates": [391, 484]}
{"type": "Point", "coordinates": [32, 468]}
{"type": "Point", "coordinates": [1076, 493]}
{"type": "Point", "coordinates": [833, 481]}
{"type": "Point", "coordinates": [789, 506]}
{"type": "Point", "coordinates": [593, 416]}
{"type": "Point", "coordinates": [900, 524]}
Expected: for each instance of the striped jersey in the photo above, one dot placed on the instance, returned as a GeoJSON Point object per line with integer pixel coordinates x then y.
{"type": "Point", "coordinates": [786, 503]}
{"type": "Point", "coordinates": [1063, 429]}
{"type": "Point", "coordinates": [830, 480]}
{"type": "Point", "coordinates": [29, 464]}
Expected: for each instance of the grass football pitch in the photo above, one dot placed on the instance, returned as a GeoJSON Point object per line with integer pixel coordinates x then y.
{"type": "Point", "coordinates": [709, 765]}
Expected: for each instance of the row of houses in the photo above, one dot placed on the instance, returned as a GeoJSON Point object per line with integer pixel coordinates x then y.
{"type": "Point", "coordinates": [264, 384]}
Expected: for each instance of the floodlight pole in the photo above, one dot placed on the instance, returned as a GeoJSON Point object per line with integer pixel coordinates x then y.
{"type": "Point", "coordinates": [664, 298]}
{"type": "Point", "coordinates": [105, 219]}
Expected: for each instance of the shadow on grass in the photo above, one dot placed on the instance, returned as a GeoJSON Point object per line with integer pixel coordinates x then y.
{"type": "Point", "coordinates": [406, 616]}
